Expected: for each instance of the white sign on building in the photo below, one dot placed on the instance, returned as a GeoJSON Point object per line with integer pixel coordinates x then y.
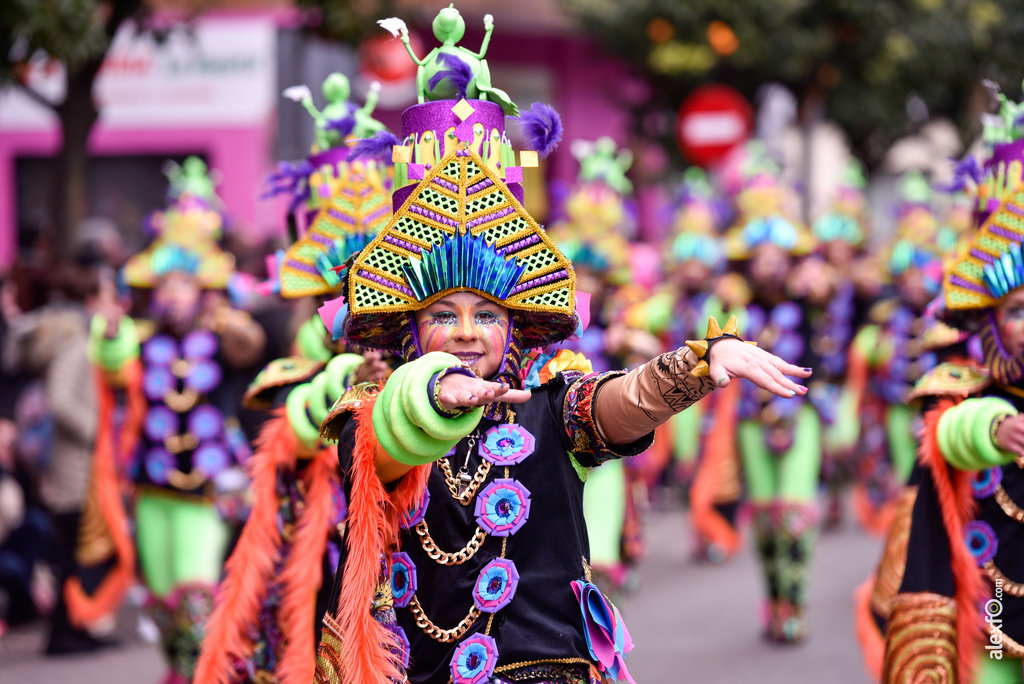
{"type": "Point", "coordinates": [214, 72]}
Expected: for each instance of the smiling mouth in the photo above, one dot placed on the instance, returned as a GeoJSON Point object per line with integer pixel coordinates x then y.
{"type": "Point", "coordinates": [469, 357]}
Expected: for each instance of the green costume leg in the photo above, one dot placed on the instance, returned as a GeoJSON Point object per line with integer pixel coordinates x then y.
{"type": "Point", "coordinates": [200, 539]}
{"type": "Point", "coordinates": [763, 529]}
{"type": "Point", "coordinates": [758, 463]}
{"type": "Point", "coordinates": [800, 467]}
{"type": "Point", "coordinates": [181, 548]}
{"type": "Point", "coordinates": [797, 531]}
{"type": "Point", "coordinates": [761, 477]}
{"type": "Point", "coordinates": [604, 508]}
{"type": "Point", "coordinates": [992, 671]}
{"type": "Point", "coordinates": [153, 534]}
{"type": "Point", "coordinates": [902, 445]}
{"type": "Point", "coordinates": [686, 433]}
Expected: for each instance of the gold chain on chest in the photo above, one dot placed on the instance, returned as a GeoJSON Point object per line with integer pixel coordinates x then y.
{"type": "Point", "coordinates": [433, 631]}
{"type": "Point", "coordinates": [454, 484]}
{"type": "Point", "coordinates": [457, 558]}
{"type": "Point", "coordinates": [1008, 505]}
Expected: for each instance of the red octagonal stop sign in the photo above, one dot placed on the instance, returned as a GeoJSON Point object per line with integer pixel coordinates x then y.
{"type": "Point", "coordinates": [711, 121]}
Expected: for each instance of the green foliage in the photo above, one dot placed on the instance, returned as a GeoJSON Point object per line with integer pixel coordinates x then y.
{"type": "Point", "coordinates": [349, 20]}
{"type": "Point", "coordinates": [68, 30]}
{"type": "Point", "coordinates": [862, 58]}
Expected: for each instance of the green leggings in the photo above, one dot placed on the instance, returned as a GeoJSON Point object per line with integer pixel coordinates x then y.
{"type": "Point", "coordinates": [179, 540]}
{"type": "Point", "coordinates": [793, 476]}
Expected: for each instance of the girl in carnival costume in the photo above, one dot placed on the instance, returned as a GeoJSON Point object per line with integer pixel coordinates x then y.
{"type": "Point", "coordinates": [885, 361]}
{"type": "Point", "coordinates": [592, 238]}
{"type": "Point", "coordinates": [826, 282]}
{"type": "Point", "coordinates": [694, 259]}
{"type": "Point", "coordinates": [263, 626]}
{"type": "Point", "coordinates": [178, 440]}
{"type": "Point", "coordinates": [491, 580]}
{"type": "Point", "coordinates": [779, 442]}
{"type": "Point", "coordinates": [950, 561]}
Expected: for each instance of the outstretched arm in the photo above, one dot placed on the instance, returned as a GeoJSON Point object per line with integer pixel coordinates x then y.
{"type": "Point", "coordinates": [632, 405]}
{"type": "Point", "coordinates": [408, 48]}
{"type": "Point", "coordinates": [372, 97]}
{"type": "Point", "coordinates": [488, 29]}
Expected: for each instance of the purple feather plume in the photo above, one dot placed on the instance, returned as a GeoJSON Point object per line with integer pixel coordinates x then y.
{"type": "Point", "coordinates": [342, 126]}
{"type": "Point", "coordinates": [967, 168]}
{"type": "Point", "coordinates": [459, 74]}
{"type": "Point", "coordinates": [376, 147]}
{"type": "Point", "coordinates": [542, 128]}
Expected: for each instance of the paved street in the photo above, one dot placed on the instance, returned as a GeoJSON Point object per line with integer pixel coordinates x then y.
{"type": "Point", "coordinates": [692, 623]}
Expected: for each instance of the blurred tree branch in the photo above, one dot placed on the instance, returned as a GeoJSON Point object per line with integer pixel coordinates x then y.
{"type": "Point", "coordinates": [863, 58]}
{"type": "Point", "coordinates": [77, 33]}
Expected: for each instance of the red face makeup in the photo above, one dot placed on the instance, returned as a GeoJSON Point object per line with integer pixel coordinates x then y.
{"type": "Point", "coordinates": [468, 326]}
{"type": "Point", "coordinates": [1010, 322]}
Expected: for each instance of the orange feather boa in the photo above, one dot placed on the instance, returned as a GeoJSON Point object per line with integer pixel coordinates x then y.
{"type": "Point", "coordinates": [372, 530]}
{"type": "Point", "coordinates": [958, 506]}
{"type": "Point", "coordinates": [249, 571]}
{"type": "Point", "coordinates": [84, 608]}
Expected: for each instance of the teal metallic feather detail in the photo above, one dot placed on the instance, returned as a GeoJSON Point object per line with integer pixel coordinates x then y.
{"type": "Point", "coordinates": [335, 255]}
{"type": "Point", "coordinates": [462, 262]}
{"type": "Point", "coordinates": [1006, 273]}
{"type": "Point", "coordinates": [174, 259]}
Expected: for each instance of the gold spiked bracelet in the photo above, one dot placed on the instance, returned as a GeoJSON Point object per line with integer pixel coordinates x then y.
{"type": "Point", "coordinates": [702, 348]}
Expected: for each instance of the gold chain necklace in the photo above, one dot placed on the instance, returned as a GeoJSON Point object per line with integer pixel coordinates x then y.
{"type": "Point", "coordinates": [999, 579]}
{"type": "Point", "coordinates": [457, 558]}
{"type": "Point", "coordinates": [1008, 505]}
{"type": "Point", "coordinates": [433, 631]}
{"type": "Point", "coordinates": [464, 488]}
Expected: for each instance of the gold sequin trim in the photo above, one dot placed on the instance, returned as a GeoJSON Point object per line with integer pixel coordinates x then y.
{"type": "Point", "coordinates": [921, 640]}
{"type": "Point", "coordinates": [889, 576]}
{"type": "Point", "coordinates": [328, 653]}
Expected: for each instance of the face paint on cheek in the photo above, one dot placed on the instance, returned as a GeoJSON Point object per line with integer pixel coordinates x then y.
{"type": "Point", "coordinates": [494, 334]}
{"type": "Point", "coordinates": [436, 336]}
{"type": "Point", "coordinates": [1010, 324]}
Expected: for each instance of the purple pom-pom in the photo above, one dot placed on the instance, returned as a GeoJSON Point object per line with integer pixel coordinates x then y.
{"type": "Point", "coordinates": [459, 74]}
{"type": "Point", "coordinates": [542, 128]}
{"type": "Point", "coordinates": [376, 147]}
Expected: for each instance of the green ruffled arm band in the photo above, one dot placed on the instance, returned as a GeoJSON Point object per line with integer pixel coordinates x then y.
{"type": "Point", "coordinates": [307, 432]}
{"type": "Point", "coordinates": [407, 426]}
{"type": "Point", "coordinates": [309, 403]}
{"type": "Point", "coordinates": [309, 341]}
{"type": "Point", "coordinates": [965, 433]}
{"type": "Point", "coordinates": [112, 354]}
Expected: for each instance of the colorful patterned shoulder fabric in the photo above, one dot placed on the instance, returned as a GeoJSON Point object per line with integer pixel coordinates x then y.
{"type": "Point", "coordinates": [278, 373]}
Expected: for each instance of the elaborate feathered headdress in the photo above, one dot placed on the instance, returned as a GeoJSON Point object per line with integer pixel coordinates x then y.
{"type": "Point", "coordinates": [186, 234]}
{"type": "Point", "coordinates": [462, 226]}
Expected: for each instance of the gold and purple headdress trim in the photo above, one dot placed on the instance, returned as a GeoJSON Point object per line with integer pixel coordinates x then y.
{"type": "Point", "coordinates": [463, 210]}
{"type": "Point", "coordinates": [992, 265]}
{"type": "Point", "coordinates": [357, 209]}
